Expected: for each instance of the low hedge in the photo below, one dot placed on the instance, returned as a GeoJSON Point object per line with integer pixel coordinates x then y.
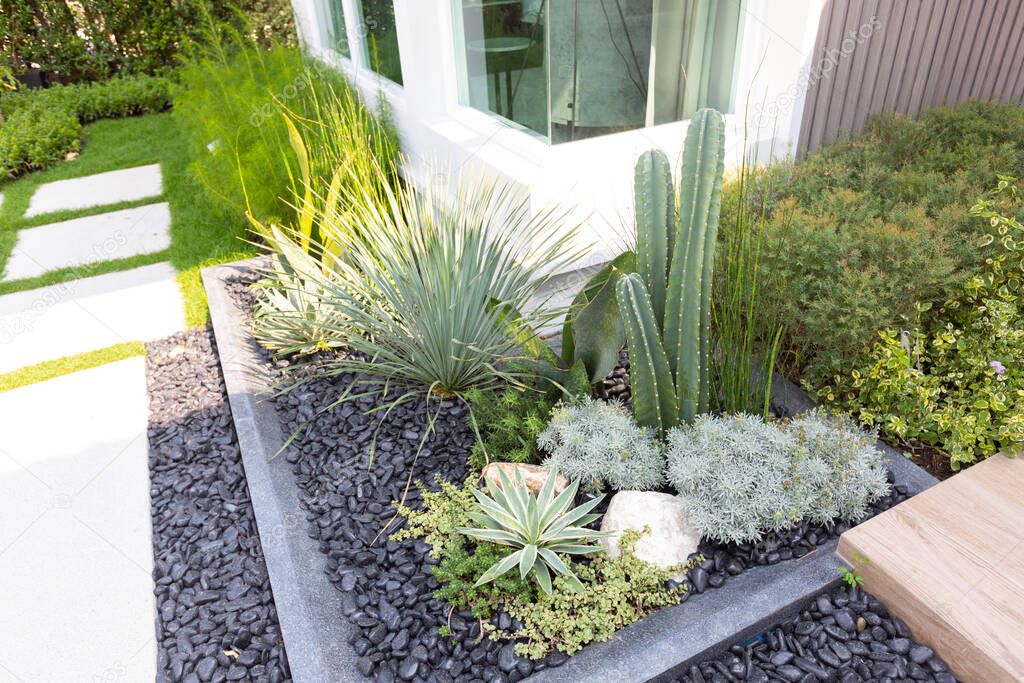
{"type": "Point", "coordinates": [39, 127]}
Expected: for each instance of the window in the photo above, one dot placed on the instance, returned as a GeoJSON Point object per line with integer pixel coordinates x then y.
{"type": "Point", "coordinates": [575, 69]}
{"type": "Point", "coordinates": [381, 44]}
{"type": "Point", "coordinates": [331, 19]}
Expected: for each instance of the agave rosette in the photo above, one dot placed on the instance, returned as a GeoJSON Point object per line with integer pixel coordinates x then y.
{"type": "Point", "coordinates": [540, 527]}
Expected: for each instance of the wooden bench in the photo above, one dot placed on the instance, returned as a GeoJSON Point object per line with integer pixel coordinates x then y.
{"type": "Point", "coordinates": [950, 563]}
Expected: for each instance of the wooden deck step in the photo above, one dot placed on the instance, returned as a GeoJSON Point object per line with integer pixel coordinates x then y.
{"type": "Point", "coordinates": [950, 563]}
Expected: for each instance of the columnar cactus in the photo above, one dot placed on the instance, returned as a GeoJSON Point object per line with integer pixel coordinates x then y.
{"type": "Point", "coordinates": [675, 267]}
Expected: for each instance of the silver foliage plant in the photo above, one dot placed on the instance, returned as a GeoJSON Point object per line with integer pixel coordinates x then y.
{"type": "Point", "coordinates": [740, 477]}
{"type": "Point", "coordinates": [732, 476]}
{"type": "Point", "coordinates": [595, 441]}
{"type": "Point", "coordinates": [840, 465]}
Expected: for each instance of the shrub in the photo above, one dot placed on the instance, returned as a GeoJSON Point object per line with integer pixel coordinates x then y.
{"type": "Point", "coordinates": [847, 274]}
{"type": "Point", "coordinates": [41, 126]}
{"type": "Point", "coordinates": [953, 386]}
{"type": "Point", "coordinates": [110, 37]}
{"type": "Point", "coordinates": [838, 465]}
{"type": "Point", "coordinates": [905, 185]}
{"type": "Point", "coordinates": [739, 477]}
{"type": "Point", "coordinates": [460, 562]}
{"type": "Point", "coordinates": [594, 441]}
{"type": "Point", "coordinates": [509, 422]}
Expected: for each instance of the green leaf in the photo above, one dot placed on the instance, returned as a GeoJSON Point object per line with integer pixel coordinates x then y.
{"type": "Point", "coordinates": [597, 330]}
{"type": "Point", "coordinates": [526, 561]}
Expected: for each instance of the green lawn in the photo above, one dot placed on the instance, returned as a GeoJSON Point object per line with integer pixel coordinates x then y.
{"type": "Point", "coordinates": [200, 236]}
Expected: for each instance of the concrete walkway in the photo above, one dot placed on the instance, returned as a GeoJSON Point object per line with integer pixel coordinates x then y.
{"type": "Point", "coordinates": [75, 553]}
{"type": "Point", "coordinates": [76, 558]}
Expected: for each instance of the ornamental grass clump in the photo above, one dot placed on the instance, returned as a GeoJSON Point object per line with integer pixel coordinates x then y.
{"type": "Point", "coordinates": [597, 441]}
{"type": "Point", "coordinates": [740, 477]}
{"type": "Point", "coordinates": [435, 304]}
{"type": "Point", "coordinates": [540, 527]}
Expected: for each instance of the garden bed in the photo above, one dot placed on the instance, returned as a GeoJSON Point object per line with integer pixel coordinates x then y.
{"type": "Point", "coordinates": [385, 587]}
{"type": "Point", "coordinates": [216, 618]}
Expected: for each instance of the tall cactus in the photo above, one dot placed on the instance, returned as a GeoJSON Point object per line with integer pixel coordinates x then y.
{"type": "Point", "coordinates": [655, 225]}
{"type": "Point", "coordinates": [687, 311]}
{"type": "Point", "coordinates": [654, 396]}
{"type": "Point", "coordinates": [675, 260]}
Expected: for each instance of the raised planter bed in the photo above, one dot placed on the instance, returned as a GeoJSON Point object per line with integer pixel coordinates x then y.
{"type": "Point", "coordinates": [314, 591]}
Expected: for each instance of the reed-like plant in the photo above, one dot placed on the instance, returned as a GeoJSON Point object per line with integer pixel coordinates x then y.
{"type": "Point", "coordinates": [437, 294]}
{"type": "Point", "coordinates": [744, 313]}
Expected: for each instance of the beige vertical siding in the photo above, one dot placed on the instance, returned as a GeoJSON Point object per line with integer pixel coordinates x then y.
{"type": "Point", "coordinates": [875, 56]}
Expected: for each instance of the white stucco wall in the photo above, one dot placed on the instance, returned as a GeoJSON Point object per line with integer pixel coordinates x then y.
{"type": "Point", "coordinates": [446, 142]}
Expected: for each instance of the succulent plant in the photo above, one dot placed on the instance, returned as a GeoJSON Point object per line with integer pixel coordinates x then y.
{"type": "Point", "coordinates": [539, 527]}
{"type": "Point", "coordinates": [666, 306]}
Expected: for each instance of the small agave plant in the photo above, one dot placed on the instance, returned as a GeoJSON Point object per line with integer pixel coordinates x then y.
{"type": "Point", "coordinates": [539, 526]}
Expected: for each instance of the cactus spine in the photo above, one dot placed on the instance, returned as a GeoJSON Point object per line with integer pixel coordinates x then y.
{"type": "Point", "coordinates": [683, 336]}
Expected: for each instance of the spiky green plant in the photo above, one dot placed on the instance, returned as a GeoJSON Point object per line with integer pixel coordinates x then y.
{"type": "Point", "coordinates": [666, 306]}
{"type": "Point", "coordinates": [436, 304]}
{"type": "Point", "coordinates": [540, 527]}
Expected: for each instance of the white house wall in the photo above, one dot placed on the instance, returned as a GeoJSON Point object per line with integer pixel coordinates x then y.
{"type": "Point", "coordinates": [446, 142]}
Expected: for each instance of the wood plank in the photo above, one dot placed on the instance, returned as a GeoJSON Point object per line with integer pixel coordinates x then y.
{"type": "Point", "coordinates": [950, 563]}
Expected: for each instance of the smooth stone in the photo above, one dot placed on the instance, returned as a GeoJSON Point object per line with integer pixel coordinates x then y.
{"type": "Point", "coordinates": [533, 476]}
{"type": "Point", "coordinates": [111, 187]}
{"type": "Point", "coordinates": [671, 538]}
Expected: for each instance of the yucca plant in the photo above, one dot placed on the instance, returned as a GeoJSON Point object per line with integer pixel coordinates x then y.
{"type": "Point", "coordinates": [539, 526]}
{"type": "Point", "coordinates": [666, 304]}
{"type": "Point", "coordinates": [445, 294]}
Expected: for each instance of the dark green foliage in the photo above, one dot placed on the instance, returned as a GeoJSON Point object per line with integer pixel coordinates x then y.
{"type": "Point", "coordinates": [509, 423]}
{"type": "Point", "coordinates": [953, 386]}
{"type": "Point", "coordinates": [459, 570]}
{"type": "Point", "coordinates": [860, 231]}
{"type": "Point", "coordinates": [98, 39]}
{"type": "Point", "coordinates": [40, 126]}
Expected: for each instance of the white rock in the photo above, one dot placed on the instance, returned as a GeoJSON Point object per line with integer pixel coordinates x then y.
{"type": "Point", "coordinates": [671, 539]}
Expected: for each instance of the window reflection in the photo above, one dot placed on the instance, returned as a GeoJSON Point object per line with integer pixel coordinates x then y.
{"type": "Point", "coordinates": [574, 69]}
{"type": "Point", "coordinates": [381, 44]}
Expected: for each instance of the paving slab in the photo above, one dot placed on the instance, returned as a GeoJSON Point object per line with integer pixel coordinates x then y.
{"type": "Point", "coordinates": [75, 542]}
{"type": "Point", "coordinates": [82, 241]}
{"type": "Point", "coordinates": [140, 304]}
{"type": "Point", "coordinates": [112, 187]}
{"type": "Point", "coordinates": [949, 562]}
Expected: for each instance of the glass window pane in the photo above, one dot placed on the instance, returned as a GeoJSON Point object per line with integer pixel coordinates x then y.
{"type": "Point", "coordinates": [574, 69]}
{"type": "Point", "coordinates": [619, 65]}
{"type": "Point", "coordinates": [332, 21]}
{"type": "Point", "coordinates": [381, 44]}
{"type": "Point", "coordinates": [502, 59]}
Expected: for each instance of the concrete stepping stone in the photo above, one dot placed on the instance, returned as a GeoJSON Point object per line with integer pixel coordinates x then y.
{"type": "Point", "coordinates": [112, 187]}
{"type": "Point", "coordinates": [81, 241]}
{"type": "Point", "coordinates": [141, 304]}
{"type": "Point", "coordinates": [75, 542]}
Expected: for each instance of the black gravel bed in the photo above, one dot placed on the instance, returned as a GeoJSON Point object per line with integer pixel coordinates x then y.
{"type": "Point", "coordinates": [216, 619]}
{"type": "Point", "coordinates": [387, 586]}
{"type": "Point", "coordinates": [844, 636]}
